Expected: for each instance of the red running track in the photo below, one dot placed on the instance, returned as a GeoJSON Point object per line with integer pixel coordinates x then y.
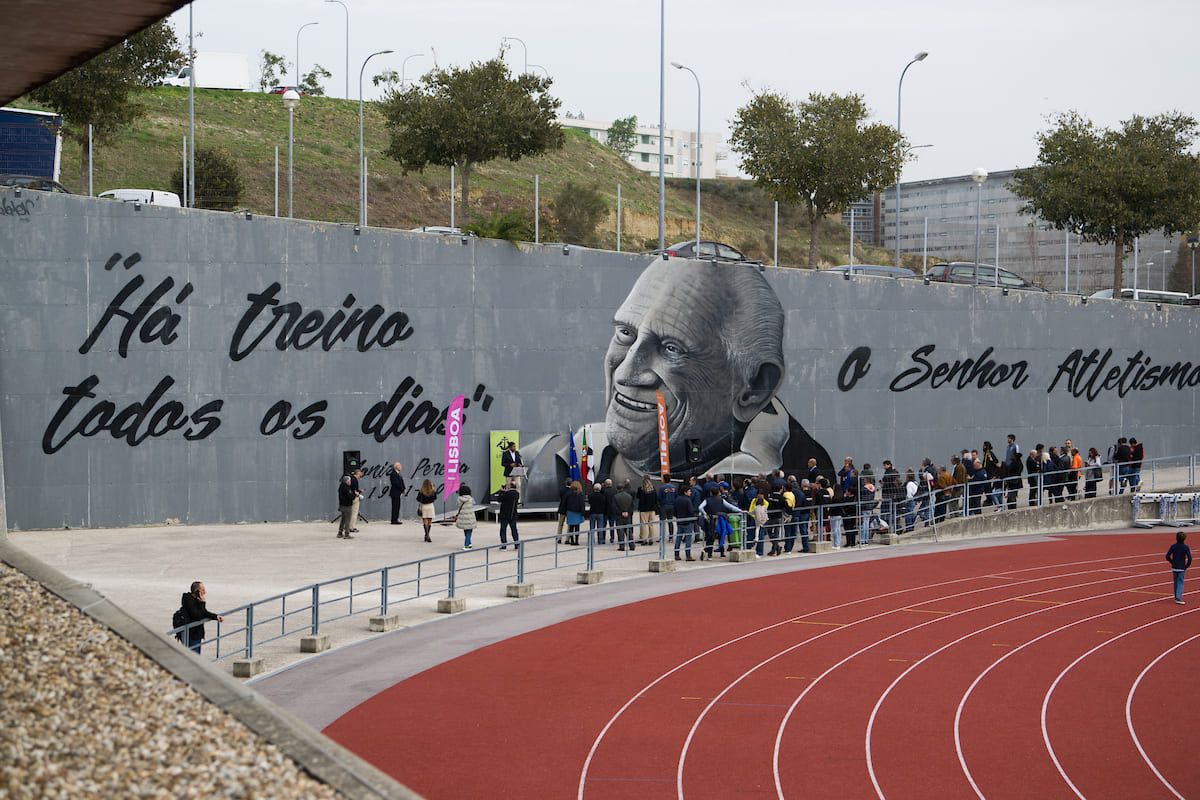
{"type": "Point", "coordinates": [1049, 670]}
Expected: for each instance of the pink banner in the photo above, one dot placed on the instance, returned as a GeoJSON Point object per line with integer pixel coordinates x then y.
{"type": "Point", "coordinates": [454, 421]}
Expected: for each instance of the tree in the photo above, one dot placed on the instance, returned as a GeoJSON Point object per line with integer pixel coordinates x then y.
{"type": "Point", "coordinates": [515, 226]}
{"type": "Point", "coordinates": [463, 117]}
{"type": "Point", "coordinates": [1115, 185]}
{"type": "Point", "coordinates": [387, 79]}
{"type": "Point", "coordinates": [819, 154]}
{"type": "Point", "coordinates": [271, 71]}
{"type": "Point", "coordinates": [218, 180]}
{"type": "Point", "coordinates": [310, 84]}
{"type": "Point", "coordinates": [100, 91]}
{"type": "Point", "coordinates": [579, 210]}
{"type": "Point", "coordinates": [622, 136]}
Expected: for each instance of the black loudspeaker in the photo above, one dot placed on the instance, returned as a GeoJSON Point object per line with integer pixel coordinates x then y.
{"type": "Point", "coordinates": [351, 460]}
{"type": "Point", "coordinates": [692, 446]}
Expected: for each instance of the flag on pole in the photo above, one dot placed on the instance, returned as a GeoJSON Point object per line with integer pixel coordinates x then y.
{"type": "Point", "coordinates": [573, 464]}
{"type": "Point", "coordinates": [664, 456]}
{"type": "Point", "coordinates": [584, 461]}
{"type": "Point", "coordinates": [454, 421]}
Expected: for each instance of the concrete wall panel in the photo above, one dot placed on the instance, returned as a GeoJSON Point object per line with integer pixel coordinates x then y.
{"type": "Point", "coordinates": [167, 425]}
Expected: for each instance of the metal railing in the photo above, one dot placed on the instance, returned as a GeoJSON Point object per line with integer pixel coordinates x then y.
{"type": "Point", "coordinates": [303, 611]}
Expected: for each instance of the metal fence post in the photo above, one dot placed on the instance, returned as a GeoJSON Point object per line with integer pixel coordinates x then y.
{"type": "Point", "coordinates": [249, 633]}
{"type": "Point", "coordinates": [520, 562]}
{"type": "Point", "coordinates": [316, 609]}
{"type": "Point", "coordinates": [662, 539]}
{"type": "Point", "coordinates": [383, 592]}
{"type": "Point", "coordinates": [591, 549]}
{"type": "Point", "coordinates": [450, 574]}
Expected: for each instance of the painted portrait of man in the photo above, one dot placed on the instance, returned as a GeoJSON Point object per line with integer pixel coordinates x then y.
{"type": "Point", "coordinates": [708, 337]}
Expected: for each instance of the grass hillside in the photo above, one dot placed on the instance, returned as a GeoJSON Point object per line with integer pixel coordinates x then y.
{"type": "Point", "coordinates": [249, 126]}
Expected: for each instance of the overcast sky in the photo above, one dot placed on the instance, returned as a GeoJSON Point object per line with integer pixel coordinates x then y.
{"type": "Point", "coordinates": [996, 71]}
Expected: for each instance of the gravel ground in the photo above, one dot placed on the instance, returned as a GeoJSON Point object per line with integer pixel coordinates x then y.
{"type": "Point", "coordinates": [84, 714]}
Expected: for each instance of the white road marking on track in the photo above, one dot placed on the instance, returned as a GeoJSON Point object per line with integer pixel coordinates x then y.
{"type": "Point", "coordinates": [1050, 692]}
{"type": "Point", "coordinates": [787, 717]}
{"type": "Point", "coordinates": [966, 696]}
{"type": "Point", "coordinates": [1129, 716]}
{"type": "Point", "coordinates": [583, 777]}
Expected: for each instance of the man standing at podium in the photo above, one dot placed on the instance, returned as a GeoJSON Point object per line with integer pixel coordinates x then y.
{"type": "Point", "coordinates": [510, 460]}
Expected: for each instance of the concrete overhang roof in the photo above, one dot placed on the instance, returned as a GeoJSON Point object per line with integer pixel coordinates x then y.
{"type": "Point", "coordinates": [41, 39]}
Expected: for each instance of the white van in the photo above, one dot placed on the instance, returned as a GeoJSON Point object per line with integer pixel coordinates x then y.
{"type": "Point", "coordinates": [151, 197]}
{"type": "Point", "coordinates": [1145, 295]}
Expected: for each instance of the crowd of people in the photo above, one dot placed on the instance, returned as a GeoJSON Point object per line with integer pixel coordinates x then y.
{"type": "Point", "coordinates": [780, 510]}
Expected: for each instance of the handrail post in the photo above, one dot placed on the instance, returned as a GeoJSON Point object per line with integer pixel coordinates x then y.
{"type": "Point", "coordinates": [450, 574]}
{"type": "Point", "coordinates": [591, 549]}
{"type": "Point", "coordinates": [249, 633]}
{"type": "Point", "coordinates": [316, 609]}
{"type": "Point", "coordinates": [662, 538]}
{"type": "Point", "coordinates": [383, 592]}
{"type": "Point", "coordinates": [520, 562]}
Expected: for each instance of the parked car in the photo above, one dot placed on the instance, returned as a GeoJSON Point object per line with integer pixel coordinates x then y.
{"type": "Point", "coordinates": [964, 272]}
{"type": "Point", "coordinates": [442, 230]}
{"type": "Point", "coordinates": [33, 182]}
{"type": "Point", "coordinates": [282, 89]}
{"type": "Point", "coordinates": [875, 270]}
{"type": "Point", "coordinates": [1146, 296]}
{"type": "Point", "coordinates": [706, 251]}
{"type": "Point", "coordinates": [150, 197]}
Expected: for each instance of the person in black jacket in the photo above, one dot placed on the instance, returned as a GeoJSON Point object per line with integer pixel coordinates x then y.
{"type": "Point", "coordinates": [396, 491]}
{"type": "Point", "coordinates": [685, 516]}
{"type": "Point", "coordinates": [597, 510]}
{"type": "Point", "coordinates": [194, 608]}
{"type": "Point", "coordinates": [346, 498]}
{"type": "Point", "coordinates": [508, 498]}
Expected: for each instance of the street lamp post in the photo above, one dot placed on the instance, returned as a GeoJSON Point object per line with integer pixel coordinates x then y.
{"type": "Point", "coordinates": [404, 64]}
{"type": "Point", "coordinates": [1192, 242]}
{"type": "Point", "coordinates": [296, 77]}
{"type": "Point", "coordinates": [291, 99]}
{"type": "Point", "coordinates": [524, 50]}
{"type": "Point", "coordinates": [1166, 255]}
{"type": "Point", "coordinates": [979, 175]}
{"type": "Point", "coordinates": [362, 168]}
{"type": "Point", "coordinates": [346, 8]}
{"type": "Point", "coordinates": [696, 152]}
{"type": "Point", "coordinates": [921, 56]}
{"type": "Point", "coordinates": [662, 110]}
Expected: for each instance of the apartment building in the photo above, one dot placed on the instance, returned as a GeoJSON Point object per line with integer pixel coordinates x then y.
{"type": "Point", "coordinates": [937, 219]}
{"type": "Point", "coordinates": [682, 154]}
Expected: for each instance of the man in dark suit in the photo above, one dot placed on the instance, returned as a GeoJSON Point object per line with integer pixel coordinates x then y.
{"type": "Point", "coordinates": [508, 460]}
{"type": "Point", "coordinates": [396, 491]}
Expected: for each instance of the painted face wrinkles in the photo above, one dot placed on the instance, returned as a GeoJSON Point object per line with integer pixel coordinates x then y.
{"type": "Point", "coordinates": [667, 338]}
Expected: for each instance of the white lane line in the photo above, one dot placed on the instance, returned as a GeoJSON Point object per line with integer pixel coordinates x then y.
{"type": "Point", "coordinates": [1129, 715]}
{"type": "Point", "coordinates": [583, 777]}
{"type": "Point", "coordinates": [791, 709]}
{"type": "Point", "coordinates": [1050, 692]}
{"type": "Point", "coordinates": [871, 722]}
{"type": "Point", "coordinates": [970, 689]}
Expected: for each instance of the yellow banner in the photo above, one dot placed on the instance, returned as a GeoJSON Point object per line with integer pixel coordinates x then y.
{"type": "Point", "coordinates": [499, 443]}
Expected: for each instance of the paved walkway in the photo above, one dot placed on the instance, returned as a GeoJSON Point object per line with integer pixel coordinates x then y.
{"type": "Point", "coordinates": [145, 570]}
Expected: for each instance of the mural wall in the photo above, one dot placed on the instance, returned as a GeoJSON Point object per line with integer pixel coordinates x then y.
{"type": "Point", "coordinates": [166, 365]}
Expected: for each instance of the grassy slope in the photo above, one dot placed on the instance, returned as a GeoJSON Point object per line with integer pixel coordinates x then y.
{"type": "Point", "coordinates": [250, 126]}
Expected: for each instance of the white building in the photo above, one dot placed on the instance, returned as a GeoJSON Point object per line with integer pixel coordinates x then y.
{"type": "Point", "coordinates": [679, 149]}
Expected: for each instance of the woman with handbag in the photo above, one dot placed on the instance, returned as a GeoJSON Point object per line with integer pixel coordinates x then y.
{"type": "Point", "coordinates": [425, 508]}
